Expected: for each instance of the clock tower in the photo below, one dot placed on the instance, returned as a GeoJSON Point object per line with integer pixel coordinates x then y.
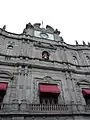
{"type": "Point", "coordinates": [47, 33]}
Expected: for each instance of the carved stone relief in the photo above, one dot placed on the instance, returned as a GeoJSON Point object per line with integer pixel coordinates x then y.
{"type": "Point", "coordinates": [83, 82]}
{"type": "Point", "coordinates": [6, 74]}
{"type": "Point", "coordinates": [13, 89]}
{"type": "Point", "coordinates": [42, 47]}
{"type": "Point", "coordinates": [74, 53]}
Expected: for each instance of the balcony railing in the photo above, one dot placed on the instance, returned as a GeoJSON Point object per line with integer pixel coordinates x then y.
{"type": "Point", "coordinates": [87, 107]}
{"type": "Point", "coordinates": [35, 108]}
{"type": "Point", "coordinates": [41, 109]}
{"type": "Point", "coordinates": [45, 108]}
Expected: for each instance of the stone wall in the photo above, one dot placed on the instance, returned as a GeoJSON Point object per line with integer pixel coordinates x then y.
{"type": "Point", "coordinates": [22, 66]}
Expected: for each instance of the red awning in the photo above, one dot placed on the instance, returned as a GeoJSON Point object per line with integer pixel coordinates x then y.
{"type": "Point", "coordinates": [86, 91]}
{"type": "Point", "coordinates": [49, 88]}
{"type": "Point", "coordinates": [3, 86]}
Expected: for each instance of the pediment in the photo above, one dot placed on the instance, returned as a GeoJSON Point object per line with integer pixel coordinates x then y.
{"type": "Point", "coordinates": [6, 74]}
{"type": "Point", "coordinates": [83, 82]}
{"type": "Point", "coordinates": [46, 79]}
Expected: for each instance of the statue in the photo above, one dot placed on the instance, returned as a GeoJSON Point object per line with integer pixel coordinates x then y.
{"type": "Point", "coordinates": [84, 43]}
{"type": "Point", "coordinates": [37, 25]}
{"type": "Point", "coordinates": [76, 42]}
{"type": "Point", "coordinates": [4, 27]}
{"type": "Point", "coordinates": [57, 32]}
{"type": "Point", "coordinates": [29, 25]}
{"type": "Point", "coordinates": [62, 39]}
{"type": "Point", "coordinates": [89, 44]}
{"type": "Point", "coordinates": [48, 27]}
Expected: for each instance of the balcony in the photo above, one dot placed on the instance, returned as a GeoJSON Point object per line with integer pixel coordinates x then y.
{"type": "Point", "coordinates": [38, 109]}
{"type": "Point", "coordinates": [48, 109]}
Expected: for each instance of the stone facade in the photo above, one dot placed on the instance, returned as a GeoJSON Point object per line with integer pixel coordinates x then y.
{"type": "Point", "coordinates": [22, 67]}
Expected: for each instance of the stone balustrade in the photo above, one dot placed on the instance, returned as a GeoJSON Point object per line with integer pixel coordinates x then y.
{"type": "Point", "coordinates": [37, 108]}
{"type": "Point", "coordinates": [44, 109]}
{"type": "Point", "coordinates": [87, 107]}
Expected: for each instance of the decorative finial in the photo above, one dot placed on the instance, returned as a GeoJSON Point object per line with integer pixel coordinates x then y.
{"type": "Point", "coordinates": [89, 44]}
{"type": "Point", "coordinates": [76, 42]}
{"type": "Point", "coordinates": [84, 43]}
{"type": "Point", "coordinates": [49, 28]}
{"type": "Point", "coordinates": [57, 32]}
{"type": "Point", "coordinates": [4, 27]}
{"type": "Point", "coordinates": [29, 25]}
{"type": "Point", "coordinates": [62, 39]}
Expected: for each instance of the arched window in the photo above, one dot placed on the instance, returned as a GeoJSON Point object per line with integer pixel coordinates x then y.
{"type": "Point", "coordinates": [45, 55]}
{"type": "Point", "coordinates": [75, 60]}
{"type": "Point", "coordinates": [88, 59]}
{"type": "Point", "coordinates": [10, 47]}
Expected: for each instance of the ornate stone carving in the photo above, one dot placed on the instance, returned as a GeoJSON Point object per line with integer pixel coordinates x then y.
{"type": "Point", "coordinates": [83, 82]}
{"type": "Point", "coordinates": [57, 32]}
{"type": "Point", "coordinates": [84, 43]}
{"type": "Point", "coordinates": [37, 25]}
{"type": "Point", "coordinates": [49, 28]}
{"type": "Point", "coordinates": [6, 74]}
{"type": "Point", "coordinates": [61, 38]}
{"type": "Point", "coordinates": [89, 44]}
{"type": "Point", "coordinates": [45, 46]}
{"type": "Point", "coordinates": [46, 79]}
{"type": "Point", "coordinates": [15, 101]}
{"type": "Point", "coordinates": [4, 27]}
{"type": "Point", "coordinates": [76, 42]}
{"type": "Point", "coordinates": [29, 25]}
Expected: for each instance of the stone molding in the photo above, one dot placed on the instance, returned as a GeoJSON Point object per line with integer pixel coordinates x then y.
{"type": "Point", "coordinates": [49, 67]}
{"type": "Point", "coordinates": [31, 38]}
{"type": "Point", "coordinates": [6, 74]}
{"type": "Point", "coordinates": [46, 79]}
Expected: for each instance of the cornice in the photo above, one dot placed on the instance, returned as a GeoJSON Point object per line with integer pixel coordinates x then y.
{"type": "Point", "coordinates": [34, 64]}
{"type": "Point", "coordinates": [32, 39]}
{"type": "Point", "coordinates": [41, 45]}
{"type": "Point", "coordinates": [6, 74]}
{"type": "Point", "coordinates": [49, 61]}
{"type": "Point", "coordinates": [14, 35]}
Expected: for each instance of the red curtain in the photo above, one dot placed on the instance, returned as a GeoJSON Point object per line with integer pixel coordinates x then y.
{"type": "Point", "coordinates": [49, 88]}
{"type": "Point", "coordinates": [3, 86]}
{"type": "Point", "coordinates": [86, 91]}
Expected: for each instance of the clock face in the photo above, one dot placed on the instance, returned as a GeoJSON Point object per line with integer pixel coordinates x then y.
{"type": "Point", "coordinates": [43, 35]}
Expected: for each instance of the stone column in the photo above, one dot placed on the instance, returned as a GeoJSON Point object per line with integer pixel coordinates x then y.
{"type": "Point", "coordinates": [31, 85]}
{"type": "Point", "coordinates": [66, 90]}
{"type": "Point", "coordinates": [63, 54]}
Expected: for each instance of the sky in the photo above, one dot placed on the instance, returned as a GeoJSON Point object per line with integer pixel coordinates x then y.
{"type": "Point", "coordinates": [70, 17]}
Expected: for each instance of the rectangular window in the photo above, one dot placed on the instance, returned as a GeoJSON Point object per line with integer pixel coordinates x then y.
{"type": "Point", "coordinates": [87, 100]}
{"type": "Point", "coordinates": [3, 88]}
{"type": "Point", "coordinates": [48, 94]}
{"type": "Point", "coordinates": [48, 99]}
{"type": "Point", "coordinates": [7, 58]}
{"type": "Point", "coordinates": [86, 94]}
